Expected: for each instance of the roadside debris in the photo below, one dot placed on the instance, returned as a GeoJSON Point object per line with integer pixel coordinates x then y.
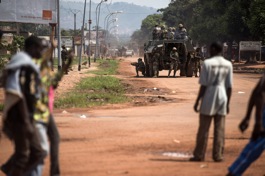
{"type": "Point", "coordinates": [204, 166]}
{"type": "Point", "coordinates": [176, 141]}
{"type": "Point", "coordinates": [83, 116]}
{"type": "Point", "coordinates": [64, 112]}
{"type": "Point", "coordinates": [177, 154]}
{"type": "Point", "coordinates": [151, 89]}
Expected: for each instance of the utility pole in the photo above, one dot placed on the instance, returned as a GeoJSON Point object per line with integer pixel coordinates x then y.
{"type": "Point", "coordinates": [74, 11]}
{"type": "Point", "coordinates": [97, 51]}
{"type": "Point", "coordinates": [59, 36]}
{"type": "Point", "coordinates": [82, 39]}
{"type": "Point", "coordinates": [75, 23]}
{"type": "Point", "coordinates": [89, 34]}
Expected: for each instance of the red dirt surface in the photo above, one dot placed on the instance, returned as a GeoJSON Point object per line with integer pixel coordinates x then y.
{"type": "Point", "coordinates": [130, 139]}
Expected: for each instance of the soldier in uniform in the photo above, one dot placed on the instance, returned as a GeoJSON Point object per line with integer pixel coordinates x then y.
{"type": "Point", "coordinates": [174, 61]}
{"type": "Point", "coordinates": [156, 32]}
{"type": "Point", "coordinates": [198, 59]}
{"type": "Point", "coordinates": [165, 35]}
{"type": "Point", "coordinates": [181, 33]}
{"type": "Point", "coordinates": [139, 66]}
{"type": "Point", "coordinates": [156, 60]}
{"type": "Point", "coordinates": [64, 56]}
{"type": "Point", "coordinates": [162, 32]}
{"type": "Point", "coordinates": [170, 34]}
{"type": "Point", "coordinates": [191, 65]}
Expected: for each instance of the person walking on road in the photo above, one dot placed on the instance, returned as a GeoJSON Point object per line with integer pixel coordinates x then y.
{"type": "Point", "coordinates": [44, 110]}
{"type": "Point", "coordinates": [215, 92]}
{"type": "Point", "coordinates": [22, 90]}
{"type": "Point", "coordinates": [256, 145]}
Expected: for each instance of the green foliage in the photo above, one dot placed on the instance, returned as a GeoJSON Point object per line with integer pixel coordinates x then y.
{"type": "Point", "coordinates": [256, 21]}
{"type": "Point", "coordinates": [101, 83]}
{"type": "Point", "coordinates": [4, 60]}
{"type": "Point", "coordinates": [208, 20]}
{"type": "Point", "coordinates": [144, 34]}
{"type": "Point", "coordinates": [150, 21]}
{"type": "Point", "coordinates": [18, 43]}
{"type": "Point", "coordinates": [178, 11]}
{"type": "Point", "coordinates": [36, 29]}
{"type": "Point", "coordinates": [71, 32]}
{"type": "Point", "coordinates": [94, 91]}
{"type": "Point", "coordinates": [107, 67]}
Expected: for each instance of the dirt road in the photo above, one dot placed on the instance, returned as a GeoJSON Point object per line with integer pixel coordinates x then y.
{"type": "Point", "coordinates": [147, 140]}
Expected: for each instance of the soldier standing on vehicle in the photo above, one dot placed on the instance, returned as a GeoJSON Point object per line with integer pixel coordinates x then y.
{"type": "Point", "coordinates": [156, 32]}
{"type": "Point", "coordinates": [165, 35]}
{"type": "Point", "coordinates": [181, 33]}
{"type": "Point", "coordinates": [174, 61]}
{"type": "Point", "coordinates": [64, 56]}
{"type": "Point", "coordinates": [162, 32]}
{"type": "Point", "coordinates": [170, 34]}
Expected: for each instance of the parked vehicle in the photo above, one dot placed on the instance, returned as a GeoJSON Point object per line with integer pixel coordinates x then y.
{"type": "Point", "coordinates": [129, 53]}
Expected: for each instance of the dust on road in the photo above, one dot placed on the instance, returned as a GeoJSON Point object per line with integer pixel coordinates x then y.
{"type": "Point", "coordinates": [146, 140]}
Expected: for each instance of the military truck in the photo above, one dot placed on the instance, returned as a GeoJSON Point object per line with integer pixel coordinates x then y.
{"type": "Point", "coordinates": [164, 47]}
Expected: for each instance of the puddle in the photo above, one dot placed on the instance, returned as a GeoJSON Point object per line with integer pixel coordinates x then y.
{"type": "Point", "coordinates": [178, 154]}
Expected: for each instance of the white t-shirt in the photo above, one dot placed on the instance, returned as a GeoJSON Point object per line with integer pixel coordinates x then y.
{"type": "Point", "coordinates": [217, 76]}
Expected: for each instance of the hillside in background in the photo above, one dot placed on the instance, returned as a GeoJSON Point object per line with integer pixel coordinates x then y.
{"type": "Point", "coordinates": [128, 21]}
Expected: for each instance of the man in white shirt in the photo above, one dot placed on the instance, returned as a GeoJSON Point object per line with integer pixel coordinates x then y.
{"type": "Point", "coordinates": [215, 92]}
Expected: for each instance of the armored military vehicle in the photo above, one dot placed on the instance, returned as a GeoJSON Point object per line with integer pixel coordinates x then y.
{"type": "Point", "coordinates": [164, 47]}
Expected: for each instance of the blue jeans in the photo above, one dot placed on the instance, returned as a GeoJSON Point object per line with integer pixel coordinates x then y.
{"type": "Point", "coordinates": [251, 153]}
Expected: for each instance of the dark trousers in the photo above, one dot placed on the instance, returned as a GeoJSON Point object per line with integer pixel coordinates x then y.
{"type": "Point", "coordinates": [28, 152]}
{"type": "Point", "coordinates": [203, 133]}
{"type": "Point", "coordinates": [54, 138]}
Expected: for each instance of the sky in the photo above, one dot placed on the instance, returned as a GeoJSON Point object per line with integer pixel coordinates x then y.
{"type": "Point", "coordinates": [149, 3]}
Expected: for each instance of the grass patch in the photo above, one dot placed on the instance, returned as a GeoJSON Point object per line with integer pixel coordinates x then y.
{"type": "Point", "coordinates": [94, 91]}
{"type": "Point", "coordinates": [106, 67]}
{"type": "Point", "coordinates": [74, 62]}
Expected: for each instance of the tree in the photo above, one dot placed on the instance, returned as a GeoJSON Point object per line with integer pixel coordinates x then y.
{"type": "Point", "coordinates": [179, 11]}
{"type": "Point", "coordinates": [144, 34]}
{"type": "Point", "coordinates": [17, 43]}
{"type": "Point", "coordinates": [209, 20]}
{"type": "Point", "coordinates": [149, 23]}
{"type": "Point", "coordinates": [137, 37]}
{"type": "Point", "coordinates": [256, 20]}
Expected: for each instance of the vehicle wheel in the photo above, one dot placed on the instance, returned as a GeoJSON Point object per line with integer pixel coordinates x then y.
{"type": "Point", "coordinates": [147, 71]}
